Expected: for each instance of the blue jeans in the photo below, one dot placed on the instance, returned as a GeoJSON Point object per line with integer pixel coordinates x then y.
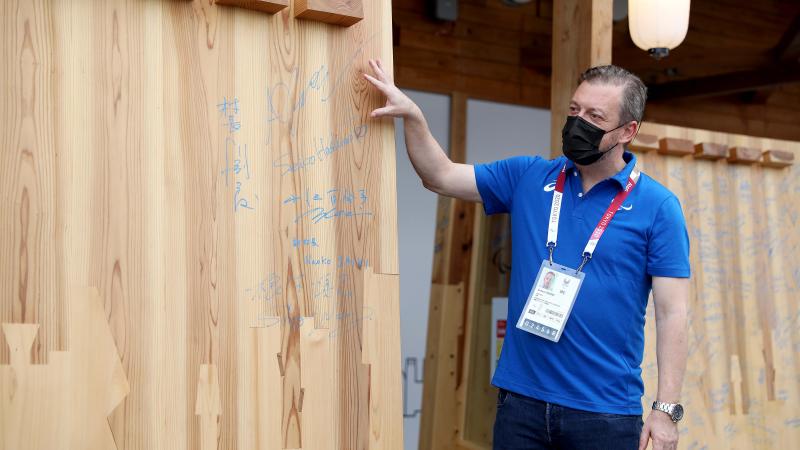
{"type": "Point", "coordinates": [526, 423]}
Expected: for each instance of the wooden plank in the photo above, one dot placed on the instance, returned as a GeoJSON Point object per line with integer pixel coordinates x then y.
{"type": "Point", "coordinates": [208, 406]}
{"type": "Point", "coordinates": [31, 234]}
{"type": "Point", "coordinates": [490, 278]}
{"type": "Point", "coordinates": [461, 29]}
{"type": "Point", "coordinates": [337, 12]}
{"type": "Point", "coordinates": [715, 117]}
{"type": "Point", "coordinates": [744, 155]}
{"type": "Point", "coordinates": [267, 6]}
{"type": "Point", "coordinates": [459, 47]}
{"type": "Point", "coordinates": [644, 143]}
{"type": "Point", "coordinates": [381, 334]}
{"type": "Point", "coordinates": [728, 83]}
{"type": "Point", "coordinates": [431, 80]}
{"type": "Point", "coordinates": [262, 388]}
{"type": "Point", "coordinates": [777, 158]}
{"type": "Point", "coordinates": [458, 128]}
{"type": "Point", "coordinates": [65, 403]}
{"type": "Point", "coordinates": [581, 39]}
{"type": "Point", "coordinates": [710, 150]}
{"type": "Point", "coordinates": [438, 422]}
{"type": "Point", "coordinates": [317, 357]}
{"type": "Point", "coordinates": [483, 68]}
{"type": "Point", "coordinates": [675, 146]}
{"type": "Point", "coordinates": [171, 193]}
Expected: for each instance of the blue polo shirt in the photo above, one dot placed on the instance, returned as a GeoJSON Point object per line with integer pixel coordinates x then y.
{"type": "Point", "coordinates": [596, 365]}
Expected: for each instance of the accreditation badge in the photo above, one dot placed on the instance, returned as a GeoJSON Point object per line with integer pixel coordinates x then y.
{"type": "Point", "coordinates": [550, 301]}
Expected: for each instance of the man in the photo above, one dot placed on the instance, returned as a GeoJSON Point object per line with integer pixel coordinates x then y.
{"type": "Point", "coordinates": [548, 278]}
{"type": "Point", "coordinates": [570, 376]}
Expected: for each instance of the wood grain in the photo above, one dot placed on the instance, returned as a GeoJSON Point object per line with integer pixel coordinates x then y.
{"type": "Point", "coordinates": [644, 143]}
{"type": "Point", "coordinates": [213, 172]}
{"type": "Point", "coordinates": [337, 12]}
{"type": "Point", "coordinates": [777, 158]}
{"type": "Point", "coordinates": [581, 39]}
{"type": "Point", "coordinates": [710, 150]}
{"type": "Point", "coordinates": [267, 6]}
{"type": "Point", "coordinates": [744, 155]}
{"type": "Point", "coordinates": [65, 403]}
{"type": "Point", "coordinates": [675, 146]}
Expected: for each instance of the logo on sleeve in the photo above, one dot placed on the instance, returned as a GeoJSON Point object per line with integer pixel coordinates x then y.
{"type": "Point", "coordinates": [626, 208]}
{"type": "Point", "coordinates": [550, 187]}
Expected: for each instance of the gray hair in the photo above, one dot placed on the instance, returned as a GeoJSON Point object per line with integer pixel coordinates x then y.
{"type": "Point", "coordinates": [634, 94]}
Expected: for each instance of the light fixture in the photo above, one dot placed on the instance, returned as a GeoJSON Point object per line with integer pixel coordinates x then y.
{"type": "Point", "coordinates": [658, 26]}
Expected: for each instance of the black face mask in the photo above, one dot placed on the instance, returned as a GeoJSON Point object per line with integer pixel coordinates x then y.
{"type": "Point", "coordinates": [580, 141]}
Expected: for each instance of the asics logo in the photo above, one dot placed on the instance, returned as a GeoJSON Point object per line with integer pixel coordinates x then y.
{"type": "Point", "coordinates": [626, 208]}
{"type": "Point", "coordinates": [550, 187]}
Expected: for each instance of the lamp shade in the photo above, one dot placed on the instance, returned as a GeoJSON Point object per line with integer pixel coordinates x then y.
{"type": "Point", "coordinates": [658, 25]}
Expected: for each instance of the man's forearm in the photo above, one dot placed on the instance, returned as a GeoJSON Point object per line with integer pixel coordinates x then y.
{"type": "Point", "coordinates": [671, 353]}
{"type": "Point", "coordinates": [426, 155]}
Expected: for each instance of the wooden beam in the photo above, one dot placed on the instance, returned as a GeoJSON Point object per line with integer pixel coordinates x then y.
{"type": "Point", "coordinates": [788, 49]}
{"type": "Point", "coordinates": [710, 150]}
{"type": "Point", "coordinates": [267, 6]}
{"type": "Point", "coordinates": [336, 12]}
{"type": "Point", "coordinates": [724, 84]}
{"type": "Point", "coordinates": [744, 155]}
{"type": "Point", "coordinates": [675, 146]}
{"type": "Point", "coordinates": [777, 158]}
{"type": "Point", "coordinates": [581, 39]}
{"type": "Point", "coordinates": [644, 143]}
{"type": "Point", "coordinates": [458, 127]}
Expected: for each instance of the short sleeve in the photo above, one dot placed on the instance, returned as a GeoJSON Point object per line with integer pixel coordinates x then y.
{"type": "Point", "coordinates": [497, 181]}
{"type": "Point", "coordinates": [668, 246]}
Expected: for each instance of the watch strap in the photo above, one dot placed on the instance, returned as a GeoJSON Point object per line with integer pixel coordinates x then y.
{"type": "Point", "coordinates": [671, 409]}
{"type": "Point", "coordinates": [665, 407]}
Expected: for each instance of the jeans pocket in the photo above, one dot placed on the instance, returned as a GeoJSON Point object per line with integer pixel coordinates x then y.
{"type": "Point", "coordinates": [502, 396]}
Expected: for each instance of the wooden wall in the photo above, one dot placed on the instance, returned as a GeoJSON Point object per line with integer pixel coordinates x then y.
{"type": "Point", "coordinates": [742, 386]}
{"type": "Point", "coordinates": [501, 53]}
{"type": "Point", "coordinates": [198, 229]}
{"type": "Point", "coordinates": [484, 54]}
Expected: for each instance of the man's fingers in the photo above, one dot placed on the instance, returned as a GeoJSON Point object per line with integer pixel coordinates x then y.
{"type": "Point", "coordinates": [385, 111]}
{"type": "Point", "coordinates": [378, 83]}
{"type": "Point", "coordinates": [644, 437]}
{"type": "Point", "coordinates": [387, 77]}
{"type": "Point", "coordinates": [373, 64]}
{"type": "Point", "coordinates": [379, 72]}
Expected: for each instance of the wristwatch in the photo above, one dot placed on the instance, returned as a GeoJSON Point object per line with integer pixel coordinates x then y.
{"type": "Point", "coordinates": [675, 410]}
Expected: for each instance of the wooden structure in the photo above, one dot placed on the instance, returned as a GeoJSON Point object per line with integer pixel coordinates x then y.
{"type": "Point", "coordinates": [582, 38]}
{"type": "Point", "coordinates": [741, 390]}
{"type": "Point", "coordinates": [471, 264]}
{"type": "Point", "coordinates": [198, 246]}
{"type": "Point", "coordinates": [737, 53]}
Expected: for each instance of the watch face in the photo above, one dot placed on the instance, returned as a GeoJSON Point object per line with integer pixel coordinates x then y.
{"type": "Point", "coordinates": [677, 413]}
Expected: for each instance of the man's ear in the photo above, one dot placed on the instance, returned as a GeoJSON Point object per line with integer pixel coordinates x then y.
{"type": "Point", "coordinates": [629, 132]}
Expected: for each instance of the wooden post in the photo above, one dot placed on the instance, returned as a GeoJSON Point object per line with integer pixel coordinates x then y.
{"type": "Point", "coordinates": [581, 39]}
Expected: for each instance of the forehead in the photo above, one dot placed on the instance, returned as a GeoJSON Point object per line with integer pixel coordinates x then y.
{"type": "Point", "coordinates": [606, 97]}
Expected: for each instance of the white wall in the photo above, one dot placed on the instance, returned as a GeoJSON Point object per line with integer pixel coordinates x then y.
{"type": "Point", "coordinates": [494, 131]}
{"type": "Point", "coordinates": [498, 131]}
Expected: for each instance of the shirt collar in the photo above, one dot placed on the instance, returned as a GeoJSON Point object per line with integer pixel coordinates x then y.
{"type": "Point", "coordinates": [622, 176]}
